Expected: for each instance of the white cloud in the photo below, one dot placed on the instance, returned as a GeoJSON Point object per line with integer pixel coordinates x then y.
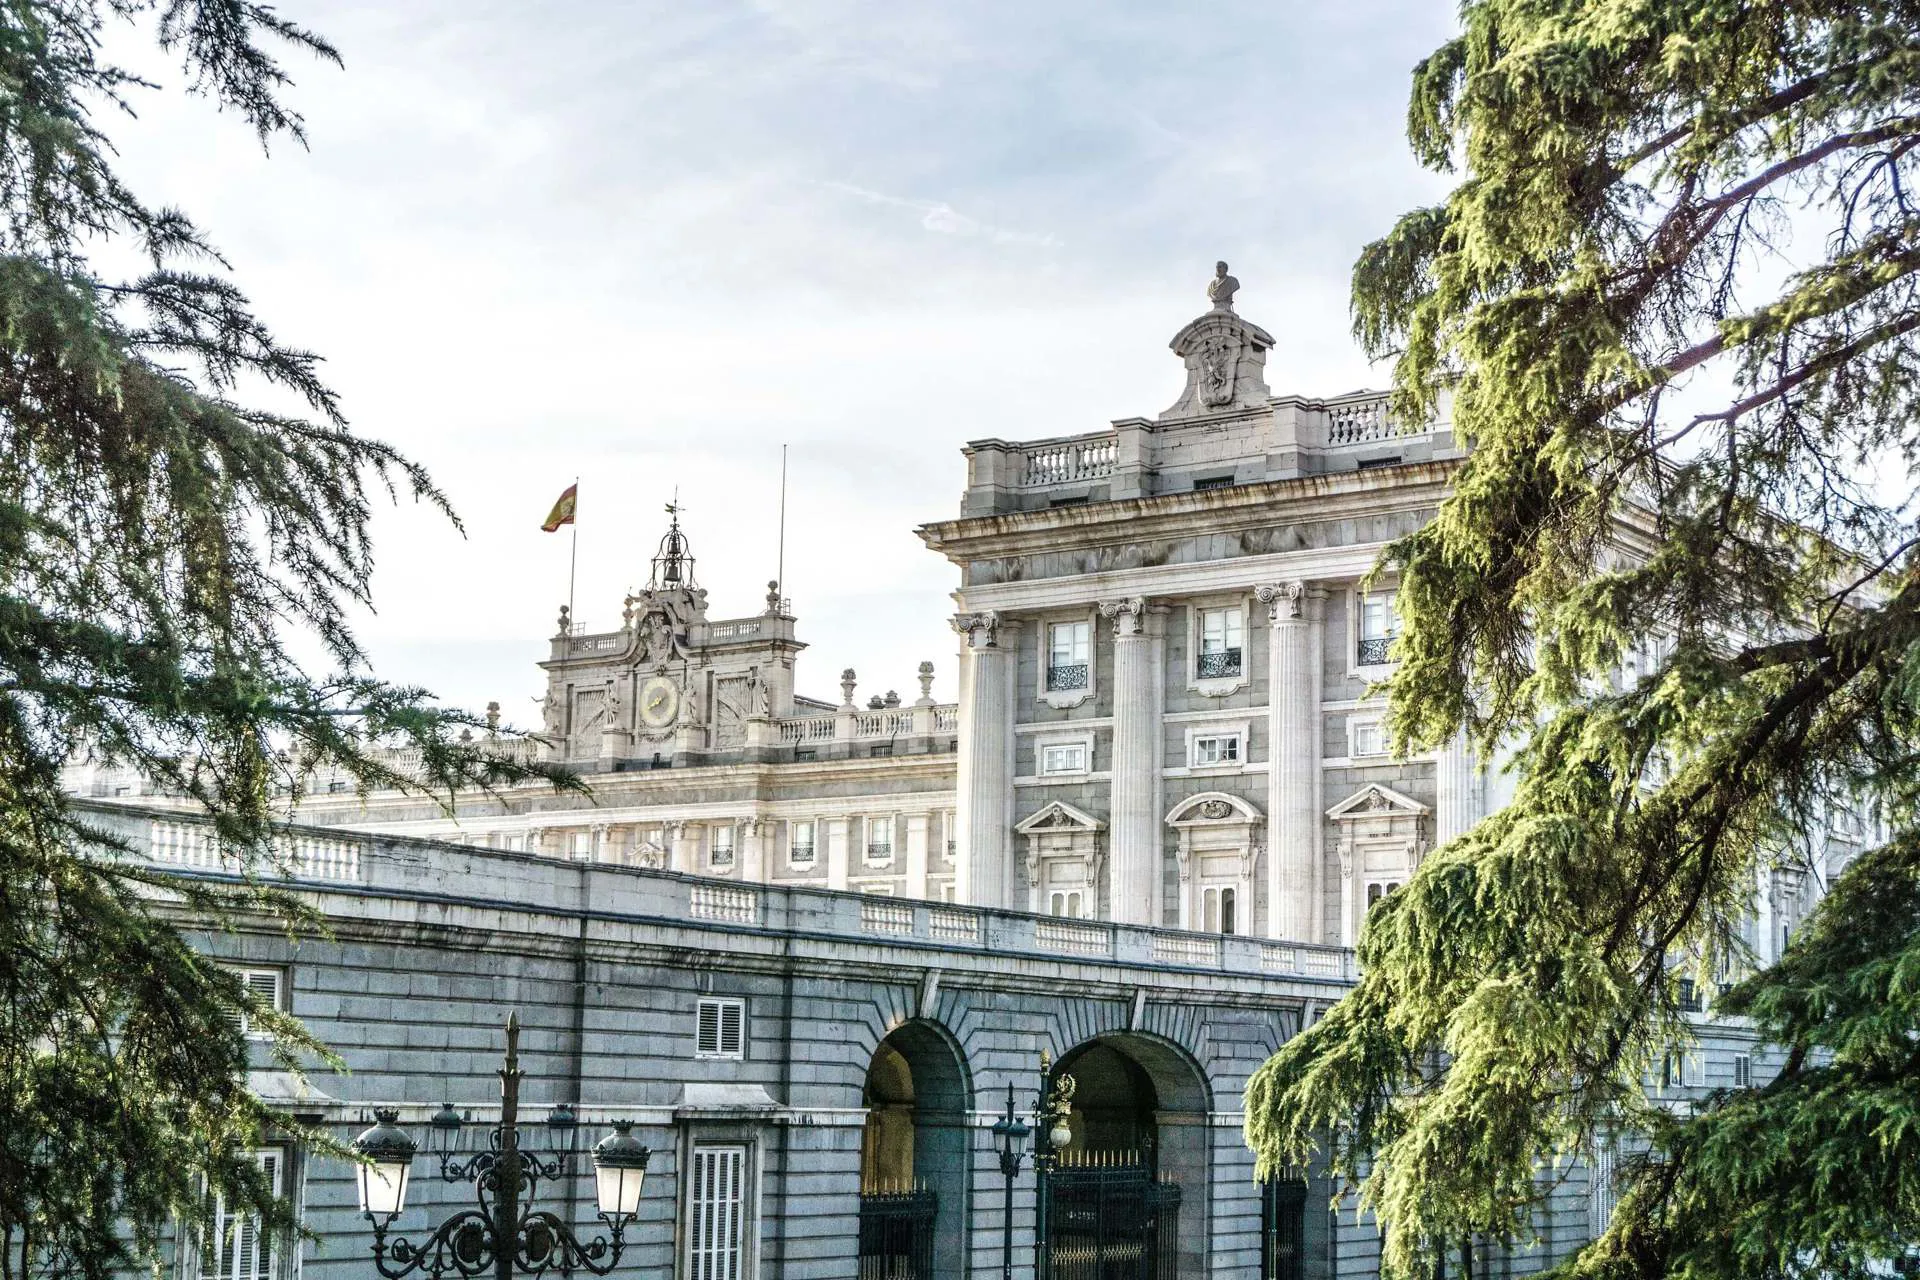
{"type": "Point", "coordinates": [648, 243]}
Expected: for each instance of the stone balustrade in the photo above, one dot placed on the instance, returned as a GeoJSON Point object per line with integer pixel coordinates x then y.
{"type": "Point", "coordinates": [1136, 457]}
{"type": "Point", "coordinates": [424, 872]}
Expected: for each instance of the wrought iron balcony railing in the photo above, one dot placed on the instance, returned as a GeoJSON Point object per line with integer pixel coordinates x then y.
{"type": "Point", "coordinates": [1219, 663]}
{"type": "Point", "coordinates": [1373, 652]}
{"type": "Point", "coordinates": [1066, 678]}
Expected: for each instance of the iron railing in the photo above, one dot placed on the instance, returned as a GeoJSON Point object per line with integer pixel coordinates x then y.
{"type": "Point", "coordinates": [1218, 663]}
{"type": "Point", "coordinates": [1067, 677]}
{"type": "Point", "coordinates": [1373, 652]}
{"type": "Point", "coordinates": [1283, 1220]}
{"type": "Point", "coordinates": [1112, 1224]}
{"type": "Point", "coordinates": [896, 1235]}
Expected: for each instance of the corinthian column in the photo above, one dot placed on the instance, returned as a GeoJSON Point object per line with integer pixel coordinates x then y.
{"type": "Point", "coordinates": [984, 817]}
{"type": "Point", "coordinates": [1133, 825]}
{"type": "Point", "coordinates": [1293, 768]}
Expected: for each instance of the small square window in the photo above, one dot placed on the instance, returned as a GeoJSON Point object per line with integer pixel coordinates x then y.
{"type": "Point", "coordinates": [1212, 482]}
{"type": "Point", "coordinates": [1368, 738]}
{"type": "Point", "coordinates": [1065, 903]}
{"type": "Point", "coordinates": [720, 1029]}
{"type": "Point", "coordinates": [1063, 757]}
{"type": "Point", "coordinates": [879, 750]}
{"type": "Point", "coordinates": [1216, 749]}
{"type": "Point", "coordinates": [801, 754]}
{"type": "Point", "coordinates": [269, 987]}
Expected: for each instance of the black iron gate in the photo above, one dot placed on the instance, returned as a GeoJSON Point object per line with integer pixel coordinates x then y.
{"type": "Point", "coordinates": [896, 1235]}
{"type": "Point", "coordinates": [1283, 1220]}
{"type": "Point", "coordinates": [1112, 1224]}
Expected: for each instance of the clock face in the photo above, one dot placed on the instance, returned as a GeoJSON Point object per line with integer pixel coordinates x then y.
{"type": "Point", "coordinates": [659, 702]}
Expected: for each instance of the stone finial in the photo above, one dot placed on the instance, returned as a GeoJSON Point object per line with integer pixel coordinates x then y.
{"type": "Point", "coordinates": [926, 685]}
{"type": "Point", "coordinates": [466, 736]}
{"type": "Point", "coordinates": [847, 681]}
{"type": "Point", "coordinates": [566, 620]}
{"type": "Point", "coordinates": [1221, 288]}
{"type": "Point", "coordinates": [493, 719]}
{"type": "Point", "coordinates": [773, 599]}
{"type": "Point", "coordinates": [876, 703]}
{"type": "Point", "coordinates": [891, 700]}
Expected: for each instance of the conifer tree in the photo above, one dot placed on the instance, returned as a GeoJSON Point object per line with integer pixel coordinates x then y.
{"type": "Point", "coordinates": [1674, 298]}
{"type": "Point", "coordinates": [180, 500]}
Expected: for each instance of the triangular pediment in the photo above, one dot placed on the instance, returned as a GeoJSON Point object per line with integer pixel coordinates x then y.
{"type": "Point", "coordinates": [1376, 801]}
{"type": "Point", "coordinates": [1059, 816]}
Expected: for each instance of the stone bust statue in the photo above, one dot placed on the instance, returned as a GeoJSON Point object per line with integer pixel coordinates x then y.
{"type": "Point", "coordinates": [1222, 288]}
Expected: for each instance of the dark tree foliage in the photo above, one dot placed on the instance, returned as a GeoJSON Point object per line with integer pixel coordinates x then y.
{"type": "Point", "coordinates": [1673, 298]}
{"type": "Point", "coordinates": [162, 541]}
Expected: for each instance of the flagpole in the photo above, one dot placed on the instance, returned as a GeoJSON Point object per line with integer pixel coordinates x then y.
{"type": "Point", "coordinates": [780, 564]}
{"type": "Point", "coordinates": [573, 553]}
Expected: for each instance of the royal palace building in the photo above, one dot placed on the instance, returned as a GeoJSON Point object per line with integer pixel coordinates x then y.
{"type": "Point", "coordinates": [812, 949]}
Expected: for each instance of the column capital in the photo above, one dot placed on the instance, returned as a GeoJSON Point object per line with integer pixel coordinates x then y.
{"type": "Point", "coordinates": [1127, 615]}
{"type": "Point", "coordinates": [1294, 601]}
{"type": "Point", "coordinates": [981, 630]}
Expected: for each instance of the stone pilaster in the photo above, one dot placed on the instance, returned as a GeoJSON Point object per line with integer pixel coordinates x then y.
{"type": "Point", "coordinates": [1293, 769]}
{"type": "Point", "coordinates": [915, 829]}
{"type": "Point", "coordinates": [1133, 825]}
{"type": "Point", "coordinates": [756, 849]}
{"type": "Point", "coordinates": [984, 817]}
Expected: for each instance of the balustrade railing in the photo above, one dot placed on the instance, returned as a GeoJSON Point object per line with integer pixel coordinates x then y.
{"type": "Point", "coordinates": [189, 844]}
{"type": "Point", "coordinates": [1363, 422]}
{"type": "Point", "coordinates": [882, 915]}
{"type": "Point", "coordinates": [1051, 462]}
{"type": "Point", "coordinates": [735, 904]}
{"type": "Point", "coordinates": [1072, 937]}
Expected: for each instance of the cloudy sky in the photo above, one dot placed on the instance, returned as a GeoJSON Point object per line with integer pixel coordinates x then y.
{"type": "Point", "coordinates": [647, 243]}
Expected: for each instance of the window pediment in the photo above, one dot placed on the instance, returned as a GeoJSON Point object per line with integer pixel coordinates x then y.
{"type": "Point", "coordinates": [1211, 808]}
{"type": "Point", "coordinates": [1059, 816]}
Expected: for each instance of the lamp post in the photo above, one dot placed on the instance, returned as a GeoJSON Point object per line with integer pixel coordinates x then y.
{"type": "Point", "coordinates": [1051, 1136]}
{"type": "Point", "coordinates": [504, 1233]}
{"type": "Point", "coordinates": [1010, 1136]}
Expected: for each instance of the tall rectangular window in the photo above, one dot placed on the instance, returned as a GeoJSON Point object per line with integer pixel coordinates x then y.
{"type": "Point", "coordinates": [1379, 624]}
{"type": "Point", "coordinates": [800, 844]}
{"type": "Point", "coordinates": [234, 1247]}
{"type": "Point", "coordinates": [1064, 903]}
{"type": "Point", "coordinates": [720, 847]}
{"type": "Point", "coordinates": [880, 838]}
{"type": "Point", "coordinates": [1068, 649]}
{"type": "Point", "coordinates": [1221, 637]}
{"type": "Point", "coordinates": [1217, 909]}
{"type": "Point", "coordinates": [716, 1200]}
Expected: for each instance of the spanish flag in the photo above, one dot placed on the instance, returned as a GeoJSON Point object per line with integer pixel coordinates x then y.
{"type": "Point", "coordinates": [562, 512]}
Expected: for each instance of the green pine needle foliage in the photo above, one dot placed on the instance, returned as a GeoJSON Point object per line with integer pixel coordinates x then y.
{"type": "Point", "coordinates": [1673, 300]}
{"type": "Point", "coordinates": [163, 539]}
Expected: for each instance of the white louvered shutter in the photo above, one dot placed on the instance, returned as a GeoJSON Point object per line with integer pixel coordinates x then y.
{"type": "Point", "coordinates": [235, 1247]}
{"type": "Point", "coordinates": [720, 1030]}
{"type": "Point", "coordinates": [715, 1206]}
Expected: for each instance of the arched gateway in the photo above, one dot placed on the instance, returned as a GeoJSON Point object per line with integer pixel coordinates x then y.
{"type": "Point", "coordinates": [1138, 1165]}
{"type": "Point", "coordinates": [913, 1157]}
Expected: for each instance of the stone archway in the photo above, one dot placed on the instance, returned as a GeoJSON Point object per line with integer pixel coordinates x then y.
{"type": "Point", "coordinates": [914, 1155]}
{"type": "Point", "coordinates": [1140, 1112]}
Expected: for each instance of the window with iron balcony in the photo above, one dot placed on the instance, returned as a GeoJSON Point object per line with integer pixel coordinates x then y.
{"type": "Point", "coordinates": [1068, 649]}
{"type": "Point", "coordinates": [1220, 644]}
{"type": "Point", "coordinates": [1379, 624]}
{"type": "Point", "coordinates": [879, 838]}
{"type": "Point", "coordinates": [800, 846]}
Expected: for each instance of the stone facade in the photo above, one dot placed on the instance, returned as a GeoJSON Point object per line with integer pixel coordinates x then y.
{"type": "Point", "coordinates": [874, 1046]}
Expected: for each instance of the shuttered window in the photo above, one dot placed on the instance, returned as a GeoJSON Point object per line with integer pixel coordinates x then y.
{"type": "Point", "coordinates": [722, 1030]}
{"type": "Point", "coordinates": [234, 1247]}
{"type": "Point", "coordinates": [715, 1206]}
{"type": "Point", "coordinates": [269, 986]}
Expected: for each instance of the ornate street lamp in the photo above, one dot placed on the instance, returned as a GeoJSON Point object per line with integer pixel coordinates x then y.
{"type": "Point", "coordinates": [505, 1234]}
{"type": "Point", "coordinates": [1010, 1136]}
{"type": "Point", "coordinates": [1052, 1135]}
